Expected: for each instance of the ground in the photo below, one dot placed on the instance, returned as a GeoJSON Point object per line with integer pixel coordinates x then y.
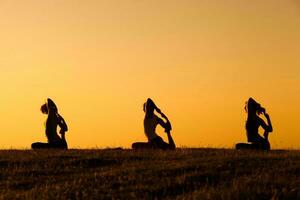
{"type": "Point", "coordinates": [152, 174]}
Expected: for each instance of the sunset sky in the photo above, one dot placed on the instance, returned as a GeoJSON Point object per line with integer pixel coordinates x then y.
{"type": "Point", "coordinates": [99, 60]}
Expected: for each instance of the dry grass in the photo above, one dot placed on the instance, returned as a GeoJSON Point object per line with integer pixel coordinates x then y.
{"type": "Point", "coordinates": [127, 174]}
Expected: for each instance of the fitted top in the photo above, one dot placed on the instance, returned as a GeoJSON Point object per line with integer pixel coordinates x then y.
{"type": "Point", "coordinates": [150, 124]}
{"type": "Point", "coordinates": [252, 126]}
{"type": "Point", "coordinates": [51, 129]}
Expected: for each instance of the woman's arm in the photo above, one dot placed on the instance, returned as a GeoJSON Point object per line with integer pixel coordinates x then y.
{"type": "Point", "coordinates": [269, 123]}
{"type": "Point", "coordinates": [62, 124]}
{"type": "Point", "coordinates": [266, 126]}
{"type": "Point", "coordinates": [51, 106]}
{"type": "Point", "coordinates": [166, 125]}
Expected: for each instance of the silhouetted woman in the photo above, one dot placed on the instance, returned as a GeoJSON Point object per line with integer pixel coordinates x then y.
{"type": "Point", "coordinates": [253, 123]}
{"type": "Point", "coordinates": [53, 120]}
{"type": "Point", "coordinates": [150, 123]}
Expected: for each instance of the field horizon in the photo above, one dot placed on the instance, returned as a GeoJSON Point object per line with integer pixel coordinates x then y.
{"type": "Point", "coordinates": [186, 173]}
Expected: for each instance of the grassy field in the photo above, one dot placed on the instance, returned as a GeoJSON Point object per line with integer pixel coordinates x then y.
{"type": "Point", "coordinates": [127, 174]}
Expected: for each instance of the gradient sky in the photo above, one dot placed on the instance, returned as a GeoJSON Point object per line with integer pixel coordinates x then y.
{"type": "Point", "coordinates": [100, 59]}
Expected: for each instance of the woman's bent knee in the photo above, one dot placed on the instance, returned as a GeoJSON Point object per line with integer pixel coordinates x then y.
{"type": "Point", "coordinates": [39, 145]}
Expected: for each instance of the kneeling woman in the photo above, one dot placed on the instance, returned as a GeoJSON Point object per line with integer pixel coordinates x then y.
{"type": "Point", "coordinates": [253, 123]}
{"type": "Point", "coordinates": [150, 123]}
{"type": "Point", "coordinates": [53, 120]}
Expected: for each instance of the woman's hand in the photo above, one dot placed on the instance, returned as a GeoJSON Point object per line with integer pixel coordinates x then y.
{"type": "Point", "coordinates": [62, 131]}
{"type": "Point", "coordinates": [266, 115]}
{"type": "Point", "coordinates": [168, 127]}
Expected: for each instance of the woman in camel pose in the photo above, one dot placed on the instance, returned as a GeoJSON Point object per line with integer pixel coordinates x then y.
{"type": "Point", "coordinates": [150, 123]}
{"type": "Point", "coordinates": [53, 120]}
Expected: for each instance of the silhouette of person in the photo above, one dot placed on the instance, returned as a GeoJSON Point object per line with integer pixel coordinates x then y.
{"type": "Point", "coordinates": [253, 123]}
{"type": "Point", "coordinates": [53, 120]}
{"type": "Point", "coordinates": [150, 123]}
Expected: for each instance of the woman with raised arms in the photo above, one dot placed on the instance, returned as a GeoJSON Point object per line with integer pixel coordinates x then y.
{"type": "Point", "coordinates": [253, 123]}
{"type": "Point", "coordinates": [151, 121]}
{"type": "Point", "coordinates": [53, 120]}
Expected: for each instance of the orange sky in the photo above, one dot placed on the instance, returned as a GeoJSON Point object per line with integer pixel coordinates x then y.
{"type": "Point", "coordinates": [100, 59]}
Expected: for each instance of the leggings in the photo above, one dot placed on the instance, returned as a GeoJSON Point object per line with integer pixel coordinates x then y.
{"type": "Point", "coordinates": [57, 145]}
{"type": "Point", "coordinates": [258, 145]}
{"type": "Point", "coordinates": [156, 143]}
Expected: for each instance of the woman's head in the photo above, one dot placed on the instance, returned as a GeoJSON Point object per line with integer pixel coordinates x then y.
{"type": "Point", "coordinates": [252, 107]}
{"type": "Point", "coordinates": [44, 109]}
{"type": "Point", "coordinates": [49, 107]}
{"type": "Point", "coordinates": [150, 106]}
